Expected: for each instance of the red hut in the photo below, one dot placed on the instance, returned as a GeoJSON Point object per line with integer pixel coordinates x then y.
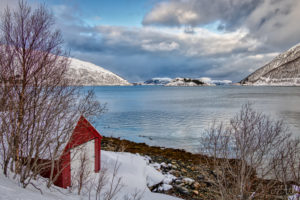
{"type": "Point", "coordinates": [85, 139]}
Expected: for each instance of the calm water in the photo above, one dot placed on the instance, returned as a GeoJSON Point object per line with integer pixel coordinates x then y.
{"type": "Point", "coordinates": [177, 116]}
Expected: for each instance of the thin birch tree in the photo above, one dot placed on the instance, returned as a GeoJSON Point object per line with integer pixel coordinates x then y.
{"type": "Point", "coordinates": [39, 108]}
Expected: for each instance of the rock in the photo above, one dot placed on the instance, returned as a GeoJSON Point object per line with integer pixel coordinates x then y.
{"type": "Point", "coordinates": [195, 192]}
{"type": "Point", "coordinates": [169, 178]}
{"type": "Point", "coordinates": [174, 167]}
{"type": "Point", "coordinates": [188, 181]}
{"type": "Point", "coordinates": [196, 185]}
{"type": "Point", "coordinates": [200, 177]}
{"type": "Point", "coordinates": [164, 187]}
{"type": "Point", "coordinates": [175, 173]}
{"type": "Point", "coordinates": [183, 170]}
{"type": "Point", "coordinates": [182, 189]}
{"type": "Point", "coordinates": [181, 185]}
{"type": "Point", "coordinates": [208, 184]}
{"type": "Point", "coordinates": [163, 165]}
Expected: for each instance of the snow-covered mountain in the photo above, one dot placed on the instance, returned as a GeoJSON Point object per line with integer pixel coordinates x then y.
{"type": "Point", "coordinates": [85, 73]}
{"type": "Point", "coordinates": [283, 70]}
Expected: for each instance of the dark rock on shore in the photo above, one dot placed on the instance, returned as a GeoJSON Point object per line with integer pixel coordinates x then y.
{"type": "Point", "coordinates": [190, 172]}
{"type": "Point", "coordinates": [192, 176]}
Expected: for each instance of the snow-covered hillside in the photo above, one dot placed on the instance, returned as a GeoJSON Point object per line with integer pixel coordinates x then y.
{"type": "Point", "coordinates": [283, 70]}
{"type": "Point", "coordinates": [85, 73]}
{"type": "Point", "coordinates": [135, 173]}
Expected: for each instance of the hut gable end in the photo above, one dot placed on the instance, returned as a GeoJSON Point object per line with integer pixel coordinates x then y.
{"type": "Point", "coordinates": [83, 133]}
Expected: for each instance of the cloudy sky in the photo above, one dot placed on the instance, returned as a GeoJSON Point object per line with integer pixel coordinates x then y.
{"type": "Point", "coordinates": [142, 39]}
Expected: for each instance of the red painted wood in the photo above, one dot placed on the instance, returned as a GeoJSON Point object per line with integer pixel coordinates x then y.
{"type": "Point", "coordinates": [82, 133]}
{"type": "Point", "coordinates": [66, 170]}
{"type": "Point", "coordinates": [97, 154]}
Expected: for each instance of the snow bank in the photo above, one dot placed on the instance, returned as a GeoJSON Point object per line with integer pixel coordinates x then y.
{"type": "Point", "coordinates": [10, 190]}
{"type": "Point", "coordinates": [136, 174]}
{"type": "Point", "coordinates": [134, 171]}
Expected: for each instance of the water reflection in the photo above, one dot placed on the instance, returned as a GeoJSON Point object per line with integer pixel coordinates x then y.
{"type": "Point", "coordinates": [177, 116]}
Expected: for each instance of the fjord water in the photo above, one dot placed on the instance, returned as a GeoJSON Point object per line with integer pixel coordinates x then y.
{"type": "Point", "coordinates": [178, 116]}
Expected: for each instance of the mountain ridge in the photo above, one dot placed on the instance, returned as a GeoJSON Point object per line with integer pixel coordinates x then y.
{"type": "Point", "coordinates": [88, 74]}
{"type": "Point", "coordinates": [283, 70]}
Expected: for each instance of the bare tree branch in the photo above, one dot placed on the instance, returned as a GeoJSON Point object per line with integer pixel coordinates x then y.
{"type": "Point", "coordinates": [39, 109]}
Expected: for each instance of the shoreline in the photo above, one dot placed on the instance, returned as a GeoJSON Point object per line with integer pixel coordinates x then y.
{"type": "Point", "coordinates": [192, 172]}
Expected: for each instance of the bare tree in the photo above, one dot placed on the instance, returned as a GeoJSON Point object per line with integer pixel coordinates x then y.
{"type": "Point", "coordinates": [241, 153]}
{"type": "Point", "coordinates": [115, 184]}
{"type": "Point", "coordinates": [104, 186]}
{"type": "Point", "coordinates": [83, 174]}
{"type": "Point", "coordinates": [100, 183]}
{"type": "Point", "coordinates": [39, 109]}
{"type": "Point", "coordinates": [136, 195]}
{"type": "Point", "coordinates": [286, 164]}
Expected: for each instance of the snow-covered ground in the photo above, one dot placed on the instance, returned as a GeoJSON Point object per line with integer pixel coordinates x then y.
{"type": "Point", "coordinates": [85, 73]}
{"type": "Point", "coordinates": [135, 172]}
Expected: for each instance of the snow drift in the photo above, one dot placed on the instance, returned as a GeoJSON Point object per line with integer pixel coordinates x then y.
{"type": "Point", "coordinates": [135, 173]}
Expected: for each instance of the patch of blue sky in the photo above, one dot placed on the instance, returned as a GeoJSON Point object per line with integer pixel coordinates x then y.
{"type": "Point", "coordinates": [214, 27]}
{"type": "Point", "coordinates": [105, 12]}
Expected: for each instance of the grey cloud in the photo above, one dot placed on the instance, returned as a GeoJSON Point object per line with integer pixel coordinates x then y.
{"type": "Point", "coordinates": [199, 12]}
{"type": "Point", "coordinates": [276, 23]}
{"type": "Point", "coordinates": [8, 3]}
{"type": "Point", "coordinates": [202, 43]}
{"type": "Point", "coordinates": [146, 52]}
{"type": "Point", "coordinates": [142, 53]}
{"type": "Point", "coordinates": [273, 22]}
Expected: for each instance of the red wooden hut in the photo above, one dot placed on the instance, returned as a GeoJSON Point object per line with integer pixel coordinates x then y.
{"type": "Point", "coordinates": [84, 134]}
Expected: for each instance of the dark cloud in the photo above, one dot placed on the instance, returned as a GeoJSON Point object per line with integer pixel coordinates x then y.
{"type": "Point", "coordinates": [252, 30]}
{"type": "Point", "coordinates": [143, 53]}
{"type": "Point", "coordinates": [200, 12]}
{"type": "Point", "coordinates": [274, 23]}
{"type": "Point", "coordinates": [271, 21]}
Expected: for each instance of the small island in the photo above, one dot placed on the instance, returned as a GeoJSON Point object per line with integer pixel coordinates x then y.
{"type": "Point", "coordinates": [188, 82]}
